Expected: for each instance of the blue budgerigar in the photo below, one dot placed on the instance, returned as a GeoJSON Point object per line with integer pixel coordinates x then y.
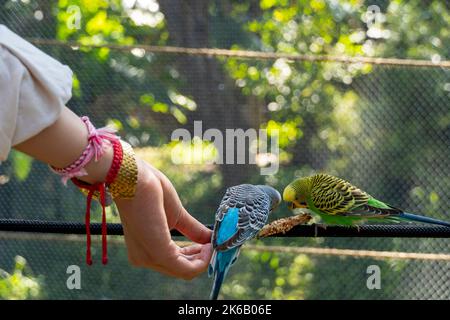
{"type": "Point", "coordinates": [243, 211]}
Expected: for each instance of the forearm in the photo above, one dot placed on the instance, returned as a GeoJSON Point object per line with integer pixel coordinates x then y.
{"type": "Point", "coordinates": [62, 143]}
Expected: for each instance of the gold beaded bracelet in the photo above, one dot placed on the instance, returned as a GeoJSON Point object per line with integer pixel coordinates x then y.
{"type": "Point", "coordinates": [124, 186]}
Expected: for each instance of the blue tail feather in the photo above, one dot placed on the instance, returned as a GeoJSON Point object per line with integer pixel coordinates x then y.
{"type": "Point", "coordinates": [218, 280]}
{"type": "Point", "coordinates": [222, 263]}
{"type": "Point", "coordinates": [415, 217]}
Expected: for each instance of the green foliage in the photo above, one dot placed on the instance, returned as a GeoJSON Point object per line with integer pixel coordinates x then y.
{"type": "Point", "coordinates": [305, 94]}
{"type": "Point", "coordinates": [199, 179]}
{"type": "Point", "coordinates": [18, 285]}
{"type": "Point", "coordinates": [322, 95]}
{"type": "Point", "coordinates": [21, 165]}
{"type": "Point", "coordinates": [125, 23]}
{"type": "Point", "coordinates": [269, 275]}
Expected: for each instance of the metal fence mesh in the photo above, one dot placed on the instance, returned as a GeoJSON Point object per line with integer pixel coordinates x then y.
{"type": "Point", "coordinates": [384, 128]}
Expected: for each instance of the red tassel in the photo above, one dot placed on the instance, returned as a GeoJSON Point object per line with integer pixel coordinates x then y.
{"type": "Point", "coordinates": [88, 227]}
{"type": "Point", "coordinates": [101, 188]}
{"type": "Point", "coordinates": [104, 230]}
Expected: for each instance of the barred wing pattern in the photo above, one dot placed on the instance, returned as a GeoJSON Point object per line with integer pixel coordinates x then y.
{"type": "Point", "coordinates": [254, 207]}
{"type": "Point", "coordinates": [336, 196]}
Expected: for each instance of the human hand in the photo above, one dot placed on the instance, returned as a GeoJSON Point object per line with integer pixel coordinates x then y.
{"type": "Point", "coordinates": [147, 220]}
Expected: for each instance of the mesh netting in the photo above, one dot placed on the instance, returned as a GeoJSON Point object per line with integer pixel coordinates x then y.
{"type": "Point", "coordinates": [385, 128]}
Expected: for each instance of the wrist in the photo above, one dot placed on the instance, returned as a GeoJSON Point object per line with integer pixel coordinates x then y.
{"type": "Point", "coordinates": [142, 180]}
{"type": "Point", "coordinates": [121, 178]}
{"type": "Point", "coordinates": [98, 170]}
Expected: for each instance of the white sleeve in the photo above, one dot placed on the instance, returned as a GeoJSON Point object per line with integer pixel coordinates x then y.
{"type": "Point", "coordinates": [34, 88]}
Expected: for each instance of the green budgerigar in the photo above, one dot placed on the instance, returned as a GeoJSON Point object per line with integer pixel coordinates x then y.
{"type": "Point", "coordinates": [338, 202]}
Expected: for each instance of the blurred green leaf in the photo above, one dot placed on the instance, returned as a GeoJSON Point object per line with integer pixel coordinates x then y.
{"type": "Point", "coordinates": [18, 285]}
{"type": "Point", "coordinates": [21, 164]}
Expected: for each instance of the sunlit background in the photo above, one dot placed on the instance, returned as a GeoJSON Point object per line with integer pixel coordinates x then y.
{"type": "Point", "coordinates": [385, 127]}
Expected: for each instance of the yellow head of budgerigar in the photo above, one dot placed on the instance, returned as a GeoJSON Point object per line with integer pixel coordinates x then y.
{"type": "Point", "coordinates": [289, 194]}
{"type": "Point", "coordinates": [295, 193]}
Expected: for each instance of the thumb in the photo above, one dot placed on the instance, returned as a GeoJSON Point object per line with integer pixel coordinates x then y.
{"type": "Point", "coordinates": [178, 217]}
{"type": "Point", "coordinates": [192, 228]}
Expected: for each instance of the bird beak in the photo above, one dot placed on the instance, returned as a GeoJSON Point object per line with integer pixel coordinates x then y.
{"type": "Point", "coordinates": [274, 208]}
{"type": "Point", "coordinates": [295, 204]}
{"type": "Point", "coordinates": [290, 205]}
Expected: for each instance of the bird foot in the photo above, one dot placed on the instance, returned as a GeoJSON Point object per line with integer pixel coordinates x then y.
{"type": "Point", "coordinates": [319, 225]}
{"type": "Point", "coordinates": [283, 225]}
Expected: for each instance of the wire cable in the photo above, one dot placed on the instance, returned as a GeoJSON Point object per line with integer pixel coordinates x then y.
{"type": "Point", "coordinates": [247, 54]}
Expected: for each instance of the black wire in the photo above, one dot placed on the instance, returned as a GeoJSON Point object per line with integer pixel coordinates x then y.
{"type": "Point", "coordinates": [380, 230]}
